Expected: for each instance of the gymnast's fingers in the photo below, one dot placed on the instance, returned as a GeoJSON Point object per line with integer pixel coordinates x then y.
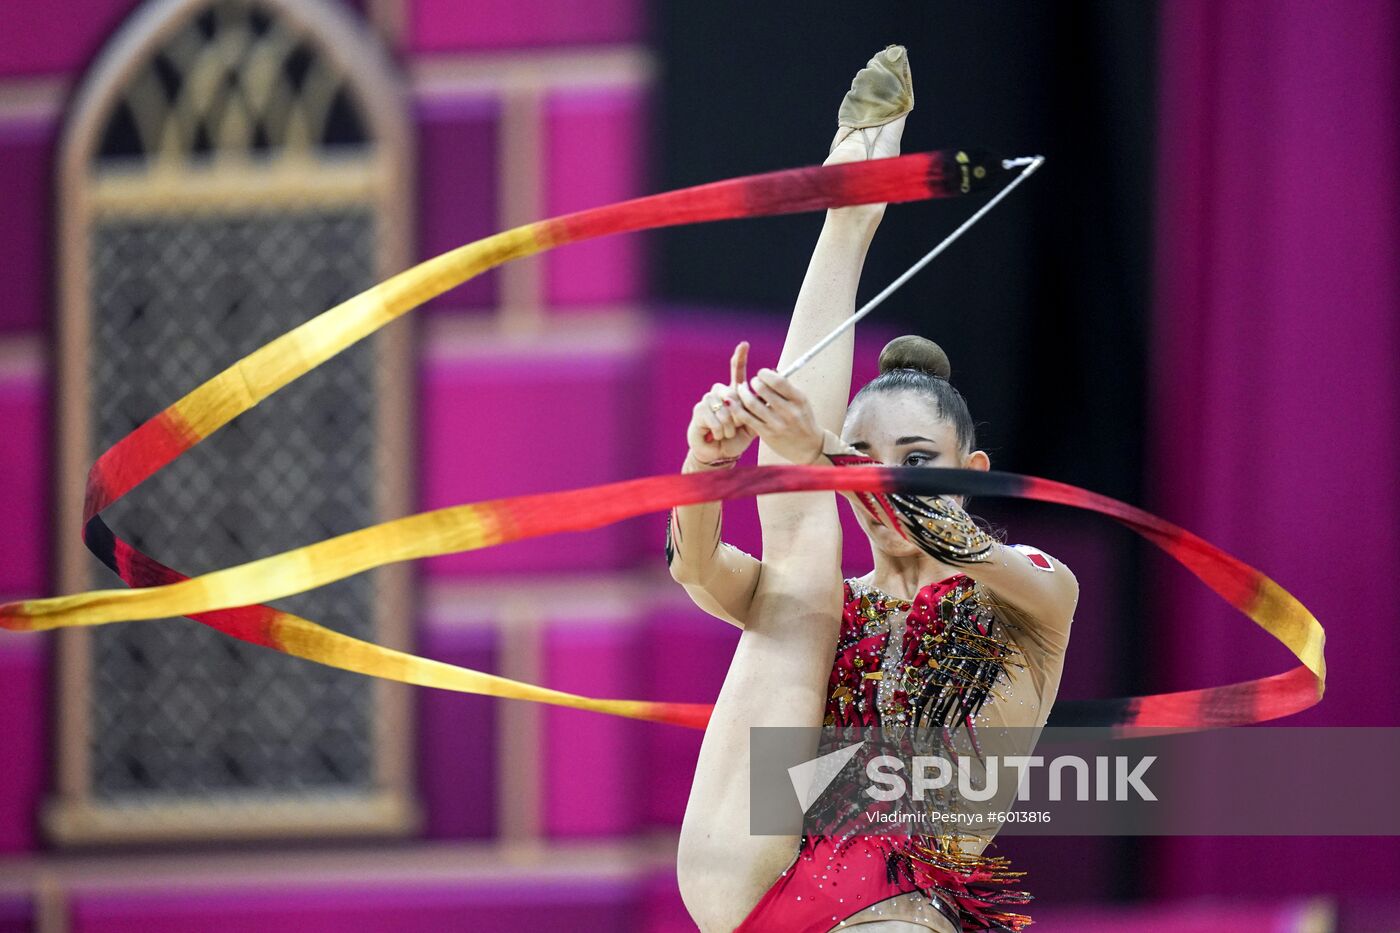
{"type": "Point", "coordinates": [717, 399]}
{"type": "Point", "coordinates": [705, 416]}
{"type": "Point", "coordinates": [757, 410]}
{"type": "Point", "coordinates": [739, 364]}
{"type": "Point", "coordinates": [742, 418]}
{"type": "Point", "coordinates": [772, 383]}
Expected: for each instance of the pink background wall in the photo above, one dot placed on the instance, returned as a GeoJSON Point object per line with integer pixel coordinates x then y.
{"type": "Point", "coordinates": [1277, 420]}
{"type": "Point", "coordinates": [1275, 433]}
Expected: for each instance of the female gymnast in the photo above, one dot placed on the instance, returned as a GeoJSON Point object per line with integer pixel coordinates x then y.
{"type": "Point", "coordinates": [819, 649]}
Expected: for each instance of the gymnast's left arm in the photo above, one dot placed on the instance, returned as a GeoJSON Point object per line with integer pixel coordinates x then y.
{"type": "Point", "coordinates": [1029, 580]}
{"type": "Point", "coordinates": [1021, 577]}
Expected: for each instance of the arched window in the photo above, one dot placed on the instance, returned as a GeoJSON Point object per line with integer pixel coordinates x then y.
{"type": "Point", "coordinates": [230, 169]}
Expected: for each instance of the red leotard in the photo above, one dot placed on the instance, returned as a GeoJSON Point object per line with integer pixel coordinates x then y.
{"type": "Point", "coordinates": [833, 879]}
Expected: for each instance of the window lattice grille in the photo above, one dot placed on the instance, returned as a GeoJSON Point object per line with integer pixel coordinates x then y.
{"type": "Point", "coordinates": [232, 168]}
{"type": "Point", "coordinates": [234, 81]}
{"type": "Point", "coordinates": [177, 708]}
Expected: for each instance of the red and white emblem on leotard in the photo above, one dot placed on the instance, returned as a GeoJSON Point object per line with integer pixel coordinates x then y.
{"type": "Point", "coordinates": [1036, 557]}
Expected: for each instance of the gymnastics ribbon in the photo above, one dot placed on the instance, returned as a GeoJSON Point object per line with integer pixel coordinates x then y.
{"type": "Point", "coordinates": [230, 600]}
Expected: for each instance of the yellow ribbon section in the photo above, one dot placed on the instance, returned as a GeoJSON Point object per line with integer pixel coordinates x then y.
{"type": "Point", "coordinates": [300, 350]}
{"type": "Point", "coordinates": [428, 534]}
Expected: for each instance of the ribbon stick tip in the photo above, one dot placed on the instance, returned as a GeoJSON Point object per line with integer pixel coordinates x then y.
{"type": "Point", "coordinates": [1030, 163]}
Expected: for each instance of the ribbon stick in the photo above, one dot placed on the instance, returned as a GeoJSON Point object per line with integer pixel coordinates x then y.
{"type": "Point", "coordinates": [230, 600]}
{"type": "Point", "coordinates": [1030, 165]}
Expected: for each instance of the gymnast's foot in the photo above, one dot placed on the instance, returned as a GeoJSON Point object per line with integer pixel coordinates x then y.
{"type": "Point", "coordinates": [872, 115]}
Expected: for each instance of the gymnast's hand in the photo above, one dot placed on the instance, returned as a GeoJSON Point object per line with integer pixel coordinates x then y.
{"type": "Point", "coordinates": [715, 436]}
{"type": "Point", "coordinates": [781, 415]}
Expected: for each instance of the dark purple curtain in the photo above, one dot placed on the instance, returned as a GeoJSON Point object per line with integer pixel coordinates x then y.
{"type": "Point", "coordinates": [1276, 376]}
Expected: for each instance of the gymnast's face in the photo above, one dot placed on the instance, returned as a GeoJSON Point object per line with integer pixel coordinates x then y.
{"type": "Point", "coordinates": [904, 429]}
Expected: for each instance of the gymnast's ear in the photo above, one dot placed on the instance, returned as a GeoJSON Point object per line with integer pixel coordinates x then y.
{"type": "Point", "coordinates": [977, 460]}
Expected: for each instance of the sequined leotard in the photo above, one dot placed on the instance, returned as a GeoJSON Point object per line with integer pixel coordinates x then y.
{"type": "Point", "coordinates": [960, 666]}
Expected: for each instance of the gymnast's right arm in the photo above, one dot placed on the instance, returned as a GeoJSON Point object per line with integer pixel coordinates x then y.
{"type": "Point", "coordinates": [719, 578]}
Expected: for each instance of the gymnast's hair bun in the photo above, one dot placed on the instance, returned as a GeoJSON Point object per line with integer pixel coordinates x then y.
{"type": "Point", "coordinates": [913, 352]}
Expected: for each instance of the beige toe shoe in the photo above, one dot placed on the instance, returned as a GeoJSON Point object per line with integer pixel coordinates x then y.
{"type": "Point", "coordinates": [882, 91]}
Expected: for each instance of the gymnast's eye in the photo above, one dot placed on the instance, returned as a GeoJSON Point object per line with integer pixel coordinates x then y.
{"type": "Point", "coordinates": [919, 458]}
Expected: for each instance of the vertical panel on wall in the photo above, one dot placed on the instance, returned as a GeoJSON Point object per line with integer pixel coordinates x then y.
{"type": "Point", "coordinates": [230, 169]}
{"type": "Point", "coordinates": [596, 150]}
